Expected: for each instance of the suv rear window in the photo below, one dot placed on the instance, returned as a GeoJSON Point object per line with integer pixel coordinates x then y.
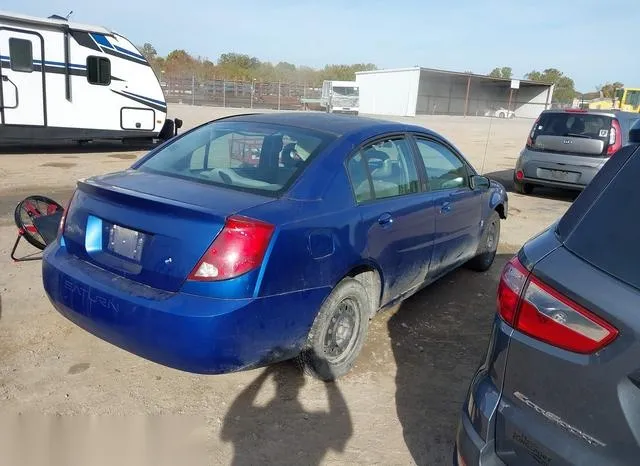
{"type": "Point", "coordinates": [585, 125]}
{"type": "Point", "coordinates": [607, 235]}
{"type": "Point", "coordinates": [246, 156]}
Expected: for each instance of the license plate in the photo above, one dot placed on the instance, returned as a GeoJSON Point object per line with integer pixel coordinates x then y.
{"type": "Point", "coordinates": [125, 242]}
{"type": "Point", "coordinates": [559, 175]}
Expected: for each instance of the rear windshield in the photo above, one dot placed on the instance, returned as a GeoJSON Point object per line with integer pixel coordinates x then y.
{"type": "Point", "coordinates": [607, 236]}
{"type": "Point", "coordinates": [247, 156]}
{"type": "Point", "coordinates": [580, 125]}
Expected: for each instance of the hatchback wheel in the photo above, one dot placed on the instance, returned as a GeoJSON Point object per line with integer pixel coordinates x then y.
{"type": "Point", "coordinates": [523, 188]}
{"type": "Point", "coordinates": [338, 332]}
{"type": "Point", "coordinates": [488, 245]}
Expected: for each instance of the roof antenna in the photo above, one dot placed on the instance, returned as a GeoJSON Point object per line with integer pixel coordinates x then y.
{"type": "Point", "coordinates": [62, 18]}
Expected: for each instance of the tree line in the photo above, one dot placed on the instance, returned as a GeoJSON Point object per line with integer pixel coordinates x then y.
{"type": "Point", "coordinates": [241, 67]}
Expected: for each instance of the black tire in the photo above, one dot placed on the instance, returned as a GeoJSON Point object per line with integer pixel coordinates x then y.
{"type": "Point", "coordinates": [347, 309]}
{"type": "Point", "coordinates": [167, 131]}
{"type": "Point", "coordinates": [522, 188]}
{"type": "Point", "coordinates": [488, 246]}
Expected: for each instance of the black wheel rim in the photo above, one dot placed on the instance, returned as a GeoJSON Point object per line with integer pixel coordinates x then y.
{"type": "Point", "coordinates": [341, 332]}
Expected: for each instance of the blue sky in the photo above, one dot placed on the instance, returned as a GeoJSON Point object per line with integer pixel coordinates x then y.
{"type": "Point", "coordinates": [459, 35]}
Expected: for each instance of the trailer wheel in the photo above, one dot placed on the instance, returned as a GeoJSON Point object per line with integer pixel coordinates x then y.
{"type": "Point", "coordinates": [167, 131]}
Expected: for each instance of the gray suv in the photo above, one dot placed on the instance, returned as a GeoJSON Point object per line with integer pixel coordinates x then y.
{"type": "Point", "coordinates": [560, 383]}
{"type": "Point", "coordinates": [566, 148]}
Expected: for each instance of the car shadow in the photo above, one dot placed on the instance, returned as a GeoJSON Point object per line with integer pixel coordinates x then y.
{"type": "Point", "coordinates": [282, 431]}
{"type": "Point", "coordinates": [505, 177]}
{"type": "Point", "coordinates": [439, 337]}
{"type": "Point", "coordinates": [76, 148]}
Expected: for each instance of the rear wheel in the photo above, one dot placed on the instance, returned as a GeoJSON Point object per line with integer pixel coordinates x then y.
{"type": "Point", "coordinates": [523, 188]}
{"type": "Point", "coordinates": [488, 245]}
{"type": "Point", "coordinates": [338, 332]}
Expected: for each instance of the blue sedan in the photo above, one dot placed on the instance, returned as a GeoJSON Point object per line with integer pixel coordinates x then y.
{"type": "Point", "coordinates": [259, 238]}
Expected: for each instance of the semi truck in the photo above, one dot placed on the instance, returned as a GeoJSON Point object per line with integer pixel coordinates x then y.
{"type": "Point", "coordinates": [340, 97]}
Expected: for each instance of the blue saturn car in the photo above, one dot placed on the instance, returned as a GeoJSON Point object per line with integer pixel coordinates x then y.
{"type": "Point", "coordinates": [258, 238]}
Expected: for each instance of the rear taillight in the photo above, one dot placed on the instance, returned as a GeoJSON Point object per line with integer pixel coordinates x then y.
{"type": "Point", "coordinates": [531, 134]}
{"type": "Point", "coordinates": [512, 282]}
{"type": "Point", "coordinates": [615, 138]}
{"type": "Point", "coordinates": [238, 249]}
{"type": "Point", "coordinates": [536, 309]}
{"type": "Point", "coordinates": [63, 219]}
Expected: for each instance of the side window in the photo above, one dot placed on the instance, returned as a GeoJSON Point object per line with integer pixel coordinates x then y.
{"type": "Point", "coordinates": [21, 55]}
{"type": "Point", "coordinates": [444, 169]}
{"type": "Point", "coordinates": [99, 71]}
{"type": "Point", "coordinates": [390, 165]}
{"type": "Point", "coordinates": [359, 178]}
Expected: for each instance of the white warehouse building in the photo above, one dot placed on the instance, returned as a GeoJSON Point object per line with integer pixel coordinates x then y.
{"type": "Point", "coordinates": [426, 91]}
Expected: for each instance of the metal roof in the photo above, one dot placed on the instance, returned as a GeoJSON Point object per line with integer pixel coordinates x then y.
{"type": "Point", "coordinates": [51, 22]}
{"type": "Point", "coordinates": [456, 73]}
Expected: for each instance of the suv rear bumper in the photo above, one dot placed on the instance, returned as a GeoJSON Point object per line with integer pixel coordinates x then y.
{"type": "Point", "coordinates": [471, 449]}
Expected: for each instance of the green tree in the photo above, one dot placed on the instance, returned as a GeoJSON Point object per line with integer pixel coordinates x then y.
{"type": "Point", "coordinates": [148, 51]}
{"type": "Point", "coordinates": [608, 90]}
{"type": "Point", "coordinates": [505, 72]}
{"type": "Point", "coordinates": [564, 90]}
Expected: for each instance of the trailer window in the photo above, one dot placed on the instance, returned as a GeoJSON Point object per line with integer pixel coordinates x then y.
{"type": "Point", "coordinates": [99, 71]}
{"type": "Point", "coordinates": [21, 55]}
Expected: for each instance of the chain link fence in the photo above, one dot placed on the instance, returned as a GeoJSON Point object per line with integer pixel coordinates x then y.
{"type": "Point", "coordinates": [242, 94]}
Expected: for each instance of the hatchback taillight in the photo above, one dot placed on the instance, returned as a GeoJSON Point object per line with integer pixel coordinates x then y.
{"type": "Point", "coordinates": [536, 309]}
{"type": "Point", "coordinates": [532, 133]}
{"type": "Point", "coordinates": [239, 248]}
{"type": "Point", "coordinates": [615, 138]}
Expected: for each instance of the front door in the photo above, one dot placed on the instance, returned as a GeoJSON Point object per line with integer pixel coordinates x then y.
{"type": "Point", "coordinates": [458, 207]}
{"type": "Point", "coordinates": [399, 218]}
{"type": "Point", "coordinates": [22, 98]}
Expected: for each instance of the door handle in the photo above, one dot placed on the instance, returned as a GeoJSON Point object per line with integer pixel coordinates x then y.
{"type": "Point", "coordinates": [4, 78]}
{"type": "Point", "coordinates": [446, 208]}
{"type": "Point", "coordinates": [385, 220]}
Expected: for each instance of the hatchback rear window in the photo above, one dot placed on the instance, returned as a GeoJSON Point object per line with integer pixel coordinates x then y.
{"type": "Point", "coordinates": [247, 156]}
{"type": "Point", "coordinates": [581, 125]}
{"type": "Point", "coordinates": [607, 235]}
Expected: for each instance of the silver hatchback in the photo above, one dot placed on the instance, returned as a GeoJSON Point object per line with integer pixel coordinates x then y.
{"type": "Point", "coordinates": [566, 148]}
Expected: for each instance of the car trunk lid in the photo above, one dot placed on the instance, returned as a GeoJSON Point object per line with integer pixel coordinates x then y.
{"type": "Point", "coordinates": [148, 227]}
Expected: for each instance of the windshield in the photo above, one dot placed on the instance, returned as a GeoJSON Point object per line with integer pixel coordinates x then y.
{"type": "Point", "coordinates": [582, 125]}
{"type": "Point", "coordinates": [240, 155]}
{"type": "Point", "coordinates": [346, 91]}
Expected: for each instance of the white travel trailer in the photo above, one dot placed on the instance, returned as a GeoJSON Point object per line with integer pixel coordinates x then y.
{"type": "Point", "coordinates": [67, 81]}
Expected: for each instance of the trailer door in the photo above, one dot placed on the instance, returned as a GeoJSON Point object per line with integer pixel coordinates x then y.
{"type": "Point", "coordinates": [22, 71]}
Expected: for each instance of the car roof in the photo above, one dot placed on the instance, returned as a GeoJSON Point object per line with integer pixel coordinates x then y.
{"type": "Point", "coordinates": [337, 125]}
{"type": "Point", "coordinates": [620, 114]}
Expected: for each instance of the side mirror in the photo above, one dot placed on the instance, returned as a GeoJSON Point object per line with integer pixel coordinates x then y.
{"type": "Point", "coordinates": [480, 182]}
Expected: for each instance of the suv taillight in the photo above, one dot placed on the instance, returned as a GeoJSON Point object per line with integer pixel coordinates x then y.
{"type": "Point", "coordinates": [536, 309]}
{"type": "Point", "coordinates": [533, 131]}
{"type": "Point", "coordinates": [238, 249]}
{"type": "Point", "coordinates": [615, 138]}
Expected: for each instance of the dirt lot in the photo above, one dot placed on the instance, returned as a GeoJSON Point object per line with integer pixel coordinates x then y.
{"type": "Point", "coordinates": [398, 406]}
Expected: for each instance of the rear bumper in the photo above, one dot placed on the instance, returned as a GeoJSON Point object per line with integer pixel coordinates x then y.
{"type": "Point", "coordinates": [179, 330]}
{"type": "Point", "coordinates": [538, 171]}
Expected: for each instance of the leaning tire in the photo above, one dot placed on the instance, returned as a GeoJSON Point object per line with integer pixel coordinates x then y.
{"type": "Point", "coordinates": [488, 246]}
{"type": "Point", "coordinates": [338, 332]}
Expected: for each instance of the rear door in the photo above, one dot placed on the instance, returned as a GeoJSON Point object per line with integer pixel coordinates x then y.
{"type": "Point", "coordinates": [22, 99]}
{"type": "Point", "coordinates": [562, 407]}
{"type": "Point", "coordinates": [458, 207]}
{"type": "Point", "coordinates": [399, 219]}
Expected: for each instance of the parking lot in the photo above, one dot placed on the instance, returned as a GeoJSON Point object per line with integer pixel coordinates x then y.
{"type": "Point", "coordinates": [400, 403]}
